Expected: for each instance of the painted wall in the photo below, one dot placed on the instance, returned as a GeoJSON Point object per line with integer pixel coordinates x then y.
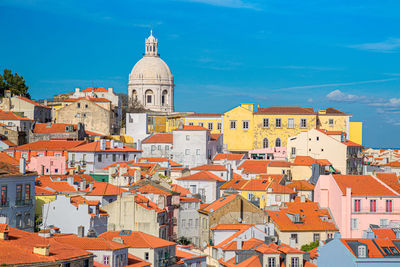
{"type": "Point", "coordinates": [48, 165]}
{"type": "Point", "coordinates": [211, 123]}
{"type": "Point", "coordinates": [355, 132]}
{"type": "Point", "coordinates": [211, 188]}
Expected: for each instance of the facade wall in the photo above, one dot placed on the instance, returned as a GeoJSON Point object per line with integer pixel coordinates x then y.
{"type": "Point", "coordinates": [18, 212]}
{"type": "Point", "coordinates": [47, 165]}
{"type": "Point", "coordinates": [189, 222]}
{"type": "Point", "coordinates": [206, 122]}
{"type": "Point", "coordinates": [210, 189]}
{"type": "Point", "coordinates": [18, 138]}
{"type": "Point", "coordinates": [190, 148]}
{"type": "Point", "coordinates": [163, 150]}
{"type": "Point", "coordinates": [26, 109]}
{"type": "Point", "coordinates": [40, 201]}
{"type": "Point", "coordinates": [340, 122]}
{"type": "Point", "coordinates": [136, 125]}
{"type": "Point", "coordinates": [303, 238]}
{"type": "Point", "coordinates": [355, 132]}
{"type": "Point", "coordinates": [265, 198]}
{"type": "Point", "coordinates": [18, 125]}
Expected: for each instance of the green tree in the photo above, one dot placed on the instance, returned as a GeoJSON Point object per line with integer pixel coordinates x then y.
{"type": "Point", "coordinates": [310, 246]}
{"type": "Point", "coordinates": [13, 82]}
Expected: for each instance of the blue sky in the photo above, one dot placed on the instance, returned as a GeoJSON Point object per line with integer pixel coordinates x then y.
{"type": "Point", "coordinates": [221, 52]}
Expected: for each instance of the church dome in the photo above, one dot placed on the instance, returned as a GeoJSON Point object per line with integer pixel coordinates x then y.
{"type": "Point", "coordinates": [151, 69]}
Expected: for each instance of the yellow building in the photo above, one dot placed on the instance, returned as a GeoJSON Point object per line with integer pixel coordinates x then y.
{"type": "Point", "coordinates": [211, 121]}
{"type": "Point", "coordinates": [355, 132]}
{"type": "Point", "coordinates": [274, 125]}
{"type": "Point", "coordinates": [42, 196]}
{"type": "Point", "coordinates": [238, 128]}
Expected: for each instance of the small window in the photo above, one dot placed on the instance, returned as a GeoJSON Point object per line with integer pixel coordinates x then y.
{"type": "Point", "coordinates": [114, 157]}
{"type": "Point", "coordinates": [99, 157]}
{"type": "Point", "coordinates": [55, 170]}
{"type": "Point", "coordinates": [197, 151]}
{"type": "Point", "coordinates": [191, 123]}
{"type": "Point", "coordinates": [219, 126]}
{"type": "Point", "coordinates": [201, 124]}
{"type": "Point", "coordinates": [354, 223]}
{"type": "Point", "coordinates": [372, 207]}
{"type": "Point", "coordinates": [159, 147]}
{"type": "Point", "coordinates": [187, 151]}
{"type": "Point", "coordinates": [265, 143]}
{"type": "Point", "coordinates": [146, 256]}
{"type": "Point", "coordinates": [362, 251]}
{"type": "Point", "coordinates": [187, 137]}
{"type": "Point", "coordinates": [265, 123]}
{"type": "Point", "coordinates": [233, 124]}
{"type": "Point", "coordinates": [78, 105]}
{"type": "Point", "coordinates": [278, 123]}
{"type": "Point", "coordinates": [149, 99]}
{"type": "Point", "coordinates": [290, 123]}
{"type": "Point", "coordinates": [86, 105]}
{"type": "Point", "coordinates": [317, 138]}
{"type": "Point", "coordinates": [303, 123]}
{"type": "Point", "coordinates": [5, 132]}
{"type": "Point", "coordinates": [389, 205]}
{"type": "Point", "coordinates": [316, 237]}
{"type": "Point", "coordinates": [245, 124]}
{"type": "Point", "coordinates": [278, 142]}
{"type": "Point", "coordinates": [210, 126]}
{"type": "Point", "coordinates": [294, 236]}
{"type": "Point", "coordinates": [106, 260]}
{"type": "Point", "coordinates": [293, 151]}
{"type": "Point", "coordinates": [331, 122]}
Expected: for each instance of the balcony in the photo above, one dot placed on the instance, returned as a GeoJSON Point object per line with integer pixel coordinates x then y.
{"type": "Point", "coordinates": [23, 202]}
{"type": "Point", "coordinates": [4, 203]}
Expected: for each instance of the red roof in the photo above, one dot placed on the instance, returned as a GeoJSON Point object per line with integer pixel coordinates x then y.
{"type": "Point", "coordinates": [220, 203]}
{"type": "Point", "coordinates": [90, 243]}
{"type": "Point", "coordinates": [48, 145]}
{"type": "Point", "coordinates": [180, 189]}
{"type": "Point", "coordinates": [134, 261]}
{"type": "Point", "coordinates": [52, 127]}
{"type": "Point", "coordinates": [362, 185]}
{"type": "Point", "coordinates": [91, 99]}
{"type": "Point", "coordinates": [254, 166]}
{"type": "Point", "coordinates": [393, 164]}
{"type": "Point", "coordinates": [95, 146]}
{"type": "Point", "coordinates": [41, 191]}
{"type": "Point", "coordinates": [279, 163]}
{"type": "Point", "coordinates": [151, 189]}
{"type": "Point", "coordinates": [210, 167]}
{"type": "Point", "coordinates": [384, 233]}
{"type": "Point", "coordinates": [8, 159]}
{"type": "Point", "coordinates": [138, 239]}
{"type": "Point", "coordinates": [202, 176]}
{"type": "Point", "coordinates": [191, 128]}
{"type": "Point", "coordinates": [104, 189]}
{"type": "Point", "coordinates": [234, 184]}
{"type": "Point", "coordinates": [205, 115]}
{"type": "Point", "coordinates": [159, 138]}
{"type": "Point", "coordinates": [95, 89]}
{"type": "Point", "coordinates": [58, 186]}
{"type": "Point", "coordinates": [10, 116]}
{"type": "Point", "coordinates": [390, 179]}
{"type": "Point", "coordinates": [286, 110]}
{"type": "Point", "coordinates": [189, 199]}
{"type": "Point", "coordinates": [246, 245]}
{"type": "Point", "coordinates": [374, 246]}
{"type": "Point", "coordinates": [231, 157]}
{"type": "Point", "coordinates": [301, 185]}
{"type": "Point", "coordinates": [308, 161]}
{"type": "Point", "coordinates": [32, 102]}
{"type": "Point", "coordinates": [158, 159]}
{"type": "Point", "coordinates": [215, 137]}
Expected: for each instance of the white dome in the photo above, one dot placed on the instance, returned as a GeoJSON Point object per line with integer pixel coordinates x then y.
{"type": "Point", "coordinates": [151, 69]}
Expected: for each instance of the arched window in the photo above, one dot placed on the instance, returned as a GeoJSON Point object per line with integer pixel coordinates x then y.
{"type": "Point", "coordinates": [149, 96]}
{"type": "Point", "coordinates": [164, 97]}
{"type": "Point", "coordinates": [278, 142]}
{"type": "Point", "coordinates": [134, 94]}
{"type": "Point", "coordinates": [265, 143]}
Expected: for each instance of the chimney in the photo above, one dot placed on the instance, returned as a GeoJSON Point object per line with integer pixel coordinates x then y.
{"type": "Point", "coordinates": [44, 233]}
{"type": "Point", "coordinates": [91, 186]}
{"type": "Point", "coordinates": [43, 250]}
{"type": "Point", "coordinates": [110, 90]}
{"type": "Point", "coordinates": [77, 90]}
{"type": "Point", "coordinates": [22, 165]}
{"type": "Point", "coordinates": [45, 102]}
{"type": "Point", "coordinates": [112, 143]}
{"type": "Point", "coordinates": [4, 233]}
{"type": "Point", "coordinates": [70, 180]}
{"type": "Point", "coordinates": [292, 243]}
{"type": "Point", "coordinates": [139, 145]}
{"type": "Point", "coordinates": [91, 233]}
{"type": "Point", "coordinates": [102, 144]}
{"type": "Point", "coordinates": [82, 185]}
{"type": "Point", "coordinates": [302, 198]}
{"type": "Point", "coordinates": [81, 231]}
{"type": "Point", "coordinates": [239, 243]}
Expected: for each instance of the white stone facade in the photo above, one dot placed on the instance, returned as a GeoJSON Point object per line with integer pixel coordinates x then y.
{"type": "Point", "coordinates": [151, 82]}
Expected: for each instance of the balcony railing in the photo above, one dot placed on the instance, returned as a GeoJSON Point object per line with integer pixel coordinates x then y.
{"type": "Point", "coordinates": [378, 211]}
{"type": "Point", "coordinates": [23, 202]}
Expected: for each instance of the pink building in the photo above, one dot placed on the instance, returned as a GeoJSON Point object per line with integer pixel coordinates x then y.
{"type": "Point", "coordinates": [48, 165]}
{"type": "Point", "coordinates": [270, 153]}
{"type": "Point", "coordinates": [356, 201]}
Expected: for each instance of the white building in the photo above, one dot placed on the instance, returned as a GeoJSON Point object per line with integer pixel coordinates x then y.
{"type": "Point", "coordinates": [69, 213]}
{"type": "Point", "coordinates": [345, 155]}
{"type": "Point", "coordinates": [158, 145]}
{"type": "Point", "coordinates": [193, 146]}
{"type": "Point", "coordinates": [136, 126]}
{"type": "Point", "coordinates": [189, 220]}
{"type": "Point", "coordinates": [151, 82]}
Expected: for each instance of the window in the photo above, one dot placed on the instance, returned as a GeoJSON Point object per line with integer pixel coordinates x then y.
{"type": "Point", "coordinates": [19, 192]}
{"type": "Point", "coordinates": [265, 143]}
{"type": "Point", "coordinates": [159, 147]}
{"type": "Point", "coordinates": [166, 148]}
{"type": "Point", "coordinates": [148, 98]}
{"type": "Point", "coordinates": [372, 205]}
{"type": "Point", "coordinates": [10, 124]}
{"type": "Point", "coordinates": [290, 123]}
{"type": "Point", "coordinates": [5, 132]}
{"type": "Point", "coordinates": [187, 151]}
{"type": "Point", "coordinates": [295, 262]}
{"type": "Point", "coordinates": [191, 123]}
{"type": "Point", "coordinates": [78, 105]}
{"type": "Point", "coordinates": [278, 142]}
{"type": "Point", "coordinates": [190, 223]}
{"type": "Point", "coordinates": [245, 124]}
{"type": "Point", "coordinates": [219, 126]}
{"type": "Point", "coordinates": [362, 251]}
{"type": "Point", "coordinates": [293, 152]}
{"type": "Point", "coordinates": [197, 151]}
{"type": "Point", "coordinates": [99, 157]}
{"type": "Point", "coordinates": [193, 189]}
{"type": "Point", "coordinates": [86, 106]}
{"type": "Point", "coordinates": [233, 124]}
{"type": "Point", "coordinates": [278, 123]}
{"type": "Point", "coordinates": [3, 196]}
{"type": "Point", "coordinates": [316, 237]}
{"type": "Point", "coordinates": [278, 198]}
{"type": "Point", "coordinates": [331, 122]}
{"type": "Point", "coordinates": [383, 222]}
{"type": "Point", "coordinates": [201, 124]}
{"type": "Point", "coordinates": [357, 205]}
{"type": "Point", "coordinates": [124, 157]}
{"type": "Point", "coordinates": [55, 170]}
{"type": "Point", "coordinates": [114, 157]}
{"type": "Point", "coordinates": [354, 223]}
{"type": "Point", "coordinates": [294, 236]}
{"type": "Point", "coordinates": [303, 123]}
{"type": "Point", "coordinates": [27, 191]}
{"type": "Point", "coordinates": [210, 126]}
{"type": "Point", "coordinates": [187, 137]}
{"type": "Point", "coordinates": [317, 138]}
{"type": "Point", "coordinates": [250, 196]}
{"type": "Point", "coordinates": [389, 205]}
{"type": "Point", "coordinates": [146, 256]}
{"type": "Point", "coordinates": [57, 154]}
{"type": "Point", "coordinates": [265, 123]}
{"type": "Point", "coordinates": [271, 261]}
{"type": "Point", "coordinates": [183, 223]}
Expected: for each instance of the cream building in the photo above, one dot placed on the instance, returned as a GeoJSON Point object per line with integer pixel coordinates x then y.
{"type": "Point", "coordinates": [151, 82]}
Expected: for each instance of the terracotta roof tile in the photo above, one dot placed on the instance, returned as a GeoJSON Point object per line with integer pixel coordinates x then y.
{"type": "Point", "coordinates": [202, 176]}
{"type": "Point", "coordinates": [384, 233]}
{"type": "Point", "coordinates": [134, 261]}
{"type": "Point", "coordinates": [95, 89]}
{"type": "Point", "coordinates": [279, 163]}
{"type": "Point", "coordinates": [246, 245]}
{"type": "Point", "coordinates": [104, 189]}
{"type": "Point", "coordinates": [301, 185]}
{"type": "Point", "coordinates": [233, 226]}
{"type": "Point", "coordinates": [180, 189]}
{"type": "Point", "coordinates": [4, 157]}
{"type": "Point", "coordinates": [254, 166]}
{"type": "Point", "coordinates": [91, 99]}
{"type": "Point", "coordinates": [159, 138]}
{"type": "Point", "coordinates": [286, 110]}
{"type": "Point", "coordinates": [210, 167]}
{"type": "Point", "coordinates": [158, 159]}
{"type": "Point", "coordinates": [189, 199]}
{"type": "Point", "coordinates": [308, 161]}
{"type": "Point", "coordinates": [234, 184]}
{"type": "Point", "coordinates": [191, 128]}
{"type": "Point", "coordinates": [390, 179]}
{"type": "Point", "coordinates": [90, 243]}
{"type": "Point", "coordinates": [58, 186]}
{"type": "Point", "coordinates": [32, 102]}
{"type": "Point", "coordinates": [393, 164]}
{"type": "Point", "coordinates": [48, 145]}
{"type": "Point", "coordinates": [95, 146]}
{"type": "Point", "coordinates": [205, 115]}
{"type": "Point", "coordinates": [374, 246]}
{"type": "Point", "coordinates": [10, 116]}
{"type": "Point", "coordinates": [231, 157]}
{"type": "Point", "coordinates": [214, 137]}
{"type": "Point", "coordinates": [220, 203]}
{"type": "Point", "coordinates": [41, 191]}
{"type": "Point", "coordinates": [362, 185]}
{"type": "Point", "coordinates": [138, 239]}
{"type": "Point", "coordinates": [52, 128]}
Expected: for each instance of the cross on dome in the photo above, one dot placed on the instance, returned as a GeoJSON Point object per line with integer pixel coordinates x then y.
{"type": "Point", "coordinates": [151, 44]}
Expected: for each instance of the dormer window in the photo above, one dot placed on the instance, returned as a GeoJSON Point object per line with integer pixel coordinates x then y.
{"type": "Point", "coordinates": [362, 251]}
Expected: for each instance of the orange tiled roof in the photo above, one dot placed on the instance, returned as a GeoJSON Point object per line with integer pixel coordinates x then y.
{"type": "Point", "coordinates": [308, 161]}
{"type": "Point", "coordinates": [53, 128]}
{"type": "Point", "coordinates": [78, 200]}
{"type": "Point", "coordinates": [48, 145]}
{"type": "Point", "coordinates": [134, 261]}
{"type": "Point", "coordinates": [232, 157]}
{"type": "Point", "coordinates": [58, 186]}
{"type": "Point", "coordinates": [374, 246]}
{"type": "Point", "coordinates": [104, 189]}
{"type": "Point", "coordinates": [234, 184]}
{"type": "Point", "coordinates": [95, 146]}
{"type": "Point", "coordinates": [220, 203]}
{"type": "Point", "coordinates": [159, 138]}
{"type": "Point", "coordinates": [256, 185]}
{"type": "Point", "coordinates": [91, 99]}
{"type": "Point", "coordinates": [90, 243]}
{"type": "Point", "coordinates": [233, 226]}
{"type": "Point", "coordinates": [362, 185]}
{"type": "Point", "coordinates": [10, 116]}
{"type": "Point", "coordinates": [301, 185]}
{"type": "Point", "coordinates": [202, 176]}
{"type": "Point", "coordinates": [351, 143]}
{"type": "Point", "coordinates": [279, 163]}
{"type": "Point", "coordinates": [254, 166]}
{"type": "Point", "coordinates": [384, 233]}
{"type": "Point", "coordinates": [389, 179]}
{"type": "Point", "coordinates": [32, 102]}
{"type": "Point", "coordinates": [309, 215]}
{"type": "Point", "coordinates": [205, 115]}
{"type": "Point", "coordinates": [76, 177]}
{"type": "Point", "coordinates": [275, 177]}
{"type": "Point", "coordinates": [95, 89]}
{"type": "Point", "coordinates": [4, 157]}
{"type": "Point", "coordinates": [286, 110]}
{"type": "Point", "coordinates": [180, 189]}
{"type": "Point", "coordinates": [246, 245]}
{"type": "Point", "coordinates": [158, 159]}
{"type": "Point", "coordinates": [41, 191]}
{"type": "Point", "coordinates": [392, 164]}
{"type": "Point", "coordinates": [191, 128]}
{"type": "Point", "coordinates": [138, 239]}
{"type": "Point", "coordinates": [210, 167]}
{"type": "Point", "coordinates": [277, 188]}
{"type": "Point", "coordinates": [253, 261]}
{"type": "Point", "coordinates": [151, 189]}
{"type": "Point", "coordinates": [8, 142]}
{"type": "Point", "coordinates": [189, 199]}
{"type": "Point", "coordinates": [18, 250]}
{"type": "Point", "coordinates": [215, 137]}
{"type": "Point", "coordinates": [147, 203]}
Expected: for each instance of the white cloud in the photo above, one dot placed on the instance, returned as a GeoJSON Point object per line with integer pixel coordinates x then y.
{"type": "Point", "coordinates": [339, 96]}
{"type": "Point", "coordinates": [388, 46]}
{"type": "Point", "coordinates": [227, 3]}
